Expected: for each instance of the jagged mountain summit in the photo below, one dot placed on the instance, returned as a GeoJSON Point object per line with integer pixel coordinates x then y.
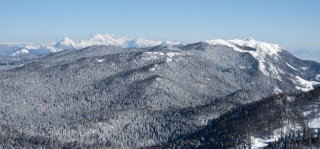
{"type": "Point", "coordinates": [107, 96]}
{"type": "Point", "coordinates": [17, 49]}
{"type": "Point", "coordinates": [66, 43]}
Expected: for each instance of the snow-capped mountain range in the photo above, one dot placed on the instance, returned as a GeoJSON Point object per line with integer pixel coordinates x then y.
{"type": "Point", "coordinates": [19, 49]}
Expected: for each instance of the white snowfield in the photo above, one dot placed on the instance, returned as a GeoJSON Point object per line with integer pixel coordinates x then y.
{"type": "Point", "coordinates": [15, 49]}
{"type": "Point", "coordinates": [292, 67]}
{"type": "Point", "coordinates": [305, 85]}
{"type": "Point", "coordinates": [260, 143]}
{"type": "Point", "coordinates": [315, 123]}
{"type": "Point", "coordinates": [100, 60]}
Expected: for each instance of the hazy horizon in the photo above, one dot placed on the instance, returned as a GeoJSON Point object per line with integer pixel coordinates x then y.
{"type": "Point", "coordinates": [292, 24]}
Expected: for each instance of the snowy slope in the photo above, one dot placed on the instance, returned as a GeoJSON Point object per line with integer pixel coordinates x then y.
{"type": "Point", "coordinates": [259, 50]}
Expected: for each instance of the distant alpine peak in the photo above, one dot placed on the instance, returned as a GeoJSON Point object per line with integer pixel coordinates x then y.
{"type": "Point", "coordinates": [140, 39]}
{"type": "Point", "coordinates": [66, 39]}
{"type": "Point", "coordinates": [65, 43]}
{"type": "Point", "coordinates": [98, 38]}
{"type": "Point", "coordinates": [250, 39]}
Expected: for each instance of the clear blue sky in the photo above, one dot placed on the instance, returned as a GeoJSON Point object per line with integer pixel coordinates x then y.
{"type": "Point", "coordinates": [291, 23]}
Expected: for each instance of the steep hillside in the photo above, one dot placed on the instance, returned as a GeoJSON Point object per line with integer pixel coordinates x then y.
{"type": "Point", "coordinates": [280, 121]}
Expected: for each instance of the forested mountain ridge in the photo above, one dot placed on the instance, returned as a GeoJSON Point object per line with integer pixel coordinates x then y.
{"type": "Point", "coordinates": [279, 121]}
{"type": "Point", "coordinates": [107, 96]}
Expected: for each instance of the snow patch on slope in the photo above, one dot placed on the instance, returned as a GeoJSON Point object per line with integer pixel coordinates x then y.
{"type": "Point", "coordinates": [304, 68]}
{"type": "Point", "coordinates": [291, 98]}
{"type": "Point", "coordinates": [315, 123]}
{"type": "Point", "coordinates": [318, 77]}
{"type": "Point", "coordinates": [305, 85]}
{"type": "Point", "coordinates": [158, 55]}
{"type": "Point", "coordinates": [156, 67]}
{"type": "Point", "coordinates": [152, 55]}
{"type": "Point", "coordinates": [306, 113]}
{"type": "Point", "coordinates": [100, 60]}
{"type": "Point", "coordinates": [277, 90]}
{"type": "Point", "coordinates": [170, 55]}
{"type": "Point", "coordinates": [260, 143]}
{"type": "Point", "coordinates": [292, 67]}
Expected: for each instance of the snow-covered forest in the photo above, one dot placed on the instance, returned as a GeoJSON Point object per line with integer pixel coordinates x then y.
{"type": "Point", "coordinates": [112, 97]}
